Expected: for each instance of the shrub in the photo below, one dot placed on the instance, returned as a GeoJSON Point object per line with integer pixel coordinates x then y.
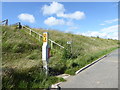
{"type": "Point", "coordinates": [98, 37]}
{"type": "Point", "coordinates": [66, 54]}
{"type": "Point", "coordinates": [58, 68]}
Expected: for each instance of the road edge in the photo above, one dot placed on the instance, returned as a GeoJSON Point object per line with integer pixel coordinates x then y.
{"type": "Point", "coordinates": [85, 67]}
{"type": "Point", "coordinates": [56, 86]}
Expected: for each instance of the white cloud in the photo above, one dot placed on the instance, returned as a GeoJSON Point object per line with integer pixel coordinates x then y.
{"type": "Point", "coordinates": [110, 29]}
{"type": "Point", "coordinates": [53, 8]}
{"type": "Point", "coordinates": [26, 17]}
{"type": "Point", "coordinates": [51, 21]}
{"type": "Point", "coordinates": [59, 10]}
{"type": "Point", "coordinates": [102, 24]}
{"type": "Point", "coordinates": [109, 21]}
{"type": "Point", "coordinates": [69, 23]}
{"type": "Point", "coordinates": [73, 28]}
{"type": "Point", "coordinates": [109, 32]}
{"type": "Point", "coordinates": [94, 33]}
{"type": "Point", "coordinates": [76, 15]}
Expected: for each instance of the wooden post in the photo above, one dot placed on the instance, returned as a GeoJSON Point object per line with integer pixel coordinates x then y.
{"type": "Point", "coordinates": [30, 31]}
{"type": "Point", "coordinates": [6, 22]}
{"type": "Point", "coordinates": [19, 25]}
{"type": "Point", "coordinates": [51, 45]}
{"type": "Point", "coordinates": [39, 37]}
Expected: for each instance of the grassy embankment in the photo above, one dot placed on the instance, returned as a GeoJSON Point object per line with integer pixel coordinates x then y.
{"type": "Point", "coordinates": [22, 64]}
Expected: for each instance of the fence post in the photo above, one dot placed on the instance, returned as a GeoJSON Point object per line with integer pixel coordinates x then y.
{"type": "Point", "coordinates": [39, 37]}
{"type": "Point", "coordinates": [51, 44]}
{"type": "Point", "coordinates": [19, 25]}
{"type": "Point", "coordinates": [30, 31]}
{"type": "Point", "coordinates": [6, 22]}
{"type": "Point", "coordinates": [45, 52]}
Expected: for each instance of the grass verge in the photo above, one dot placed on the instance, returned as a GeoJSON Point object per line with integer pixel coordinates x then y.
{"type": "Point", "coordinates": [32, 78]}
{"type": "Point", "coordinates": [85, 60]}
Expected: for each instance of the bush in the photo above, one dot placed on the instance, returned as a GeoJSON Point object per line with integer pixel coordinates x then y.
{"type": "Point", "coordinates": [66, 54]}
{"type": "Point", "coordinates": [98, 37]}
{"type": "Point", "coordinates": [71, 63]}
{"type": "Point", "coordinates": [58, 67]}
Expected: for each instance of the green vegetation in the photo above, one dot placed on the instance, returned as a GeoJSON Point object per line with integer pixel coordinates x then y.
{"type": "Point", "coordinates": [21, 56]}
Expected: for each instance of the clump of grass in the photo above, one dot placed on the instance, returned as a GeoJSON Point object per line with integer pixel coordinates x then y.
{"type": "Point", "coordinates": [59, 67]}
{"type": "Point", "coordinates": [34, 78]}
{"type": "Point", "coordinates": [7, 46]}
{"type": "Point", "coordinates": [71, 71]}
{"type": "Point", "coordinates": [34, 55]}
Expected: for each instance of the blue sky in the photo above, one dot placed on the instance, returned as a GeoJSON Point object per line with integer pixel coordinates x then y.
{"type": "Point", "coordinates": [86, 18]}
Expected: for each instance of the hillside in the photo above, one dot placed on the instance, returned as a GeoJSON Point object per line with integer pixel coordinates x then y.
{"type": "Point", "coordinates": [21, 56]}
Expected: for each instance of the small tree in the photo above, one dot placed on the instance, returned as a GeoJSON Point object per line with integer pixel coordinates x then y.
{"type": "Point", "coordinates": [98, 37]}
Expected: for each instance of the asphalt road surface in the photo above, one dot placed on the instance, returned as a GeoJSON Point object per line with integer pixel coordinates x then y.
{"type": "Point", "coordinates": [103, 74]}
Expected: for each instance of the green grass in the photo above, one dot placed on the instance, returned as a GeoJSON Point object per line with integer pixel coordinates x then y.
{"type": "Point", "coordinates": [32, 78]}
{"type": "Point", "coordinates": [21, 56]}
{"type": "Point", "coordinates": [85, 60]}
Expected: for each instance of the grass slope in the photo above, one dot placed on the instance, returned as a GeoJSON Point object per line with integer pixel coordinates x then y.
{"type": "Point", "coordinates": [21, 56]}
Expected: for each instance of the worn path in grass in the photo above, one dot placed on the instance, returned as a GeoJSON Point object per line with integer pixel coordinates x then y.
{"type": "Point", "coordinates": [103, 74]}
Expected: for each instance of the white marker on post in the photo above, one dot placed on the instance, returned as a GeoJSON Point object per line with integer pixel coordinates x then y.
{"type": "Point", "coordinates": [45, 51]}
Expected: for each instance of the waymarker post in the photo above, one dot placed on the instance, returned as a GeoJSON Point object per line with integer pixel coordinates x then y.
{"type": "Point", "coordinates": [45, 51]}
